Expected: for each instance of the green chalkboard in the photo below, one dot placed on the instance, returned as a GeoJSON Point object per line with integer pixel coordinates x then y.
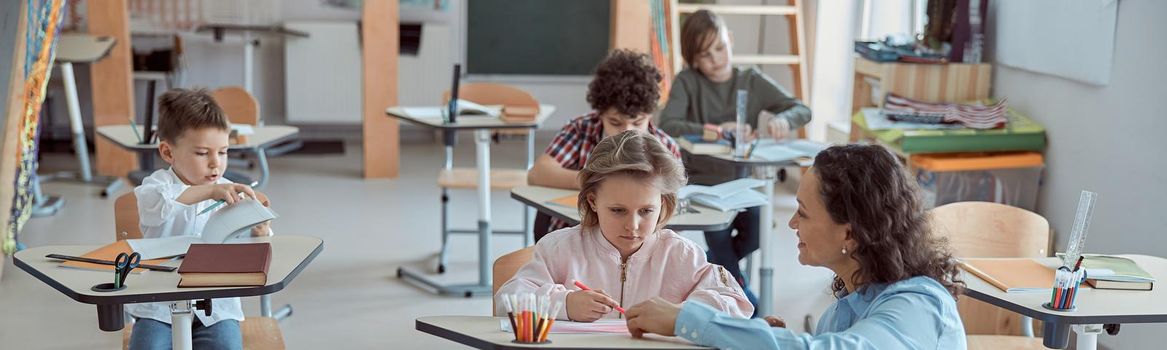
{"type": "Point", "coordinates": [536, 37]}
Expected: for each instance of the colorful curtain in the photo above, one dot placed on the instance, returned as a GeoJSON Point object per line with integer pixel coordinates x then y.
{"type": "Point", "coordinates": [42, 22]}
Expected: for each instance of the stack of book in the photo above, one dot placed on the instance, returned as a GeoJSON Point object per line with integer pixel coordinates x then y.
{"type": "Point", "coordinates": [1114, 272]}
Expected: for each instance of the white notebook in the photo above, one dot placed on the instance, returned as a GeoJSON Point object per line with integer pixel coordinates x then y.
{"type": "Point", "coordinates": [464, 108]}
{"type": "Point", "coordinates": [732, 195]}
{"type": "Point", "coordinates": [224, 224]}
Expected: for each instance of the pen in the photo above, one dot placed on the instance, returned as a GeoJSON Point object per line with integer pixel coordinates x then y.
{"type": "Point", "coordinates": [134, 127]}
{"type": "Point", "coordinates": [750, 150]}
{"type": "Point", "coordinates": [582, 286]}
{"type": "Point", "coordinates": [213, 206]}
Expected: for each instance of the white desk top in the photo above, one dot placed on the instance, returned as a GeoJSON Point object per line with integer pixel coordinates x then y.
{"type": "Point", "coordinates": [81, 47]}
{"type": "Point", "coordinates": [754, 161]}
{"type": "Point", "coordinates": [1094, 306]}
{"type": "Point", "coordinates": [483, 332]}
{"type": "Point", "coordinates": [707, 219]}
{"type": "Point", "coordinates": [471, 122]}
{"type": "Point", "coordinates": [264, 136]}
{"type": "Point", "coordinates": [290, 254]}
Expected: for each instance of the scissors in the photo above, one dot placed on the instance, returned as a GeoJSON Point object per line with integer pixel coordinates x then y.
{"type": "Point", "coordinates": [122, 267]}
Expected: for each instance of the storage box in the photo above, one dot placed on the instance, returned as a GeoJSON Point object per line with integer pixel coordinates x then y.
{"type": "Point", "coordinates": [1011, 178]}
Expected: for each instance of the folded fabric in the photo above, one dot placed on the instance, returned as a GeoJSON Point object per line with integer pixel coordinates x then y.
{"type": "Point", "coordinates": [904, 109]}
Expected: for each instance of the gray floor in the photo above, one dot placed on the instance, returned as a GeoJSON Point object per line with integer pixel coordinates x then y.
{"type": "Point", "coordinates": [348, 297]}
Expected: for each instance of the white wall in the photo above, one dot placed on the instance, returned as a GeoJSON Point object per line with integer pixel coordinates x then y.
{"type": "Point", "coordinates": [1107, 139]}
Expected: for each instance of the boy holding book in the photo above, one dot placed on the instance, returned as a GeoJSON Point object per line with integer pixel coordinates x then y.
{"type": "Point", "coordinates": [193, 131]}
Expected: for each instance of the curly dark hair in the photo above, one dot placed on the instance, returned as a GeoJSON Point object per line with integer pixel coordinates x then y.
{"type": "Point", "coordinates": [627, 81]}
{"type": "Point", "coordinates": [865, 186]}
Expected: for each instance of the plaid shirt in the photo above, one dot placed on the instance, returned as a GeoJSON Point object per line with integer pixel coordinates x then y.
{"type": "Point", "coordinates": [575, 141]}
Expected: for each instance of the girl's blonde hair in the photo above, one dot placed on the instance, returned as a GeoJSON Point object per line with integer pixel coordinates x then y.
{"type": "Point", "coordinates": [635, 154]}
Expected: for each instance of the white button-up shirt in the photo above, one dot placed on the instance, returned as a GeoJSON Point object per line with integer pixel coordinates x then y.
{"type": "Point", "coordinates": [161, 215]}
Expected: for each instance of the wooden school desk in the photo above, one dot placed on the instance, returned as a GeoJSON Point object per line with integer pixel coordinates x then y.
{"type": "Point", "coordinates": [290, 255]}
{"type": "Point", "coordinates": [484, 332]}
{"type": "Point", "coordinates": [539, 197]}
{"type": "Point", "coordinates": [769, 173]}
{"type": "Point", "coordinates": [265, 136]}
{"type": "Point", "coordinates": [482, 126]}
{"type": "Point", "coordinates": [1094, 307]}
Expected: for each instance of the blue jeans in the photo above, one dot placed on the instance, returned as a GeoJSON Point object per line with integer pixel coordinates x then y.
{"type": "Point", "coordinates": [727, 249]}
{"type": "Point", "coordinates": [150, 334]}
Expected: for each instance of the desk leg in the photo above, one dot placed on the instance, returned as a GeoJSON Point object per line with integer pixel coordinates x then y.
{"type": "Point", "coordinates": [765, 290]}
{"type": "Point", "coordinates": [483, 285]}
{"type": "Point", "coordinates": [181, 319]}
{"type": "Point", "coordinates": [482, 152]}
{"type": "Point", "coordinates": [75, 122]}
{"type": "Point", "coordinates": [264, 171]}
{"type": "Point", "coordinates": [1087, 336]}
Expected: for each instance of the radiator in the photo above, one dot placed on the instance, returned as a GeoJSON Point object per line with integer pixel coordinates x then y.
{"type": "Point", "coordinates": [322, 78]}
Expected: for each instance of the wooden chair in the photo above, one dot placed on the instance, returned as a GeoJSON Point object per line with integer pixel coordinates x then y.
{"type": "Point", "coordinates": [241, 108]}
{"type": "Point", "coordinates": [258, 332]}
{"type": "Point", "coordinates": [506, 266]}
{"type": "Point", "coordinates": [991, 230]}
{"type": "Point", "coordinates": [450, 177]}
{"type": "Point", "coordinates": [239, 105]}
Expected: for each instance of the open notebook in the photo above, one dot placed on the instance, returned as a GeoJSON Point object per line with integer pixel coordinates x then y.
{"type": "Point", "coordinates": [464, 108]}
{"type": "Point", "coordinates": [1022, 275]}
{"type": "Point", "coordinates": [224, 224]}
{"type": "Point", "coordinates": [732, 195]}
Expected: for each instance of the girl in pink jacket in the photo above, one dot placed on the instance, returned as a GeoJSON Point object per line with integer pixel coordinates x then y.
{"type": "Point", "coordinates": [628, 191]}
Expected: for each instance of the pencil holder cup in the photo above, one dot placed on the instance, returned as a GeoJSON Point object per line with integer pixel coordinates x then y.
{"type": "Point", "coordinates": [530, 316]}
{"type": "Point", "coordinates": [107, 287]}
{"type": "Point", "coordinates": [1065, 289]}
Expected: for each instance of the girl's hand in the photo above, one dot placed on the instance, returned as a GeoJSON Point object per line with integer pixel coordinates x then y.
{"type": "Point", "coordinates": [589, 305]}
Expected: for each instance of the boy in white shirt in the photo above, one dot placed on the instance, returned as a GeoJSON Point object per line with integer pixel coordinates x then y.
{"type": "Point", "coordinates": [193, 131]}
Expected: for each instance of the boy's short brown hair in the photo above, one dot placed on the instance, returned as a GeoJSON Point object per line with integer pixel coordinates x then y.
{"type": "Point", "coordinates": [180, 110]}
{"type": "Point", "coordinates": [698, 33]}
{"type": "Point", "coordinates": [627, 81]}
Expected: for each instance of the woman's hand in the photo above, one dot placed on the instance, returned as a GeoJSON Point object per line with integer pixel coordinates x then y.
{"type": "Point", "coordinates": [589, 305]}
{"type": "Point", "coordinates": [775, 321]}
{"type": "Point", "coordinates": [653, 316]}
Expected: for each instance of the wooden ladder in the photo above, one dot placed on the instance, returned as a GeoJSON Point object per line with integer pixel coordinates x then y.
{"type": "Point", "coordinates": [793, 10]}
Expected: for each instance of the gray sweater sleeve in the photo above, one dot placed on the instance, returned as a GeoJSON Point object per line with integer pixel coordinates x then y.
{"type": "Point", "coordinates": [777, 100]}
{"type": "Point", "coordinates": [674, 118]}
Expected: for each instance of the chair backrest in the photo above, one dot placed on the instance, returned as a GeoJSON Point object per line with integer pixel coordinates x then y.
{"type": "Point", "coordinates": [991, 230]}
{"type": "Point", "coordinates": [506, 266]}
{"type": "Point", "coordinates": [240, 106]}
{"type": "Point", "coordinates": [493, 94]}
{"type": "Point", "coordinates": [510, 97]}
{"type": "Point", "coordinates": [125, 215]}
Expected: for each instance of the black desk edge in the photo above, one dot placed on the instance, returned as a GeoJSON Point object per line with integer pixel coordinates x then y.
{"type": "Point", "coordinates": [172, 296]}
{"type": "Point", "coordinates": [1064, 317]}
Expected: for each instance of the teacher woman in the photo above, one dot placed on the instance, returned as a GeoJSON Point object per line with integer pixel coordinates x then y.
{"type": "Point", "coordinates": [859, 214]}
